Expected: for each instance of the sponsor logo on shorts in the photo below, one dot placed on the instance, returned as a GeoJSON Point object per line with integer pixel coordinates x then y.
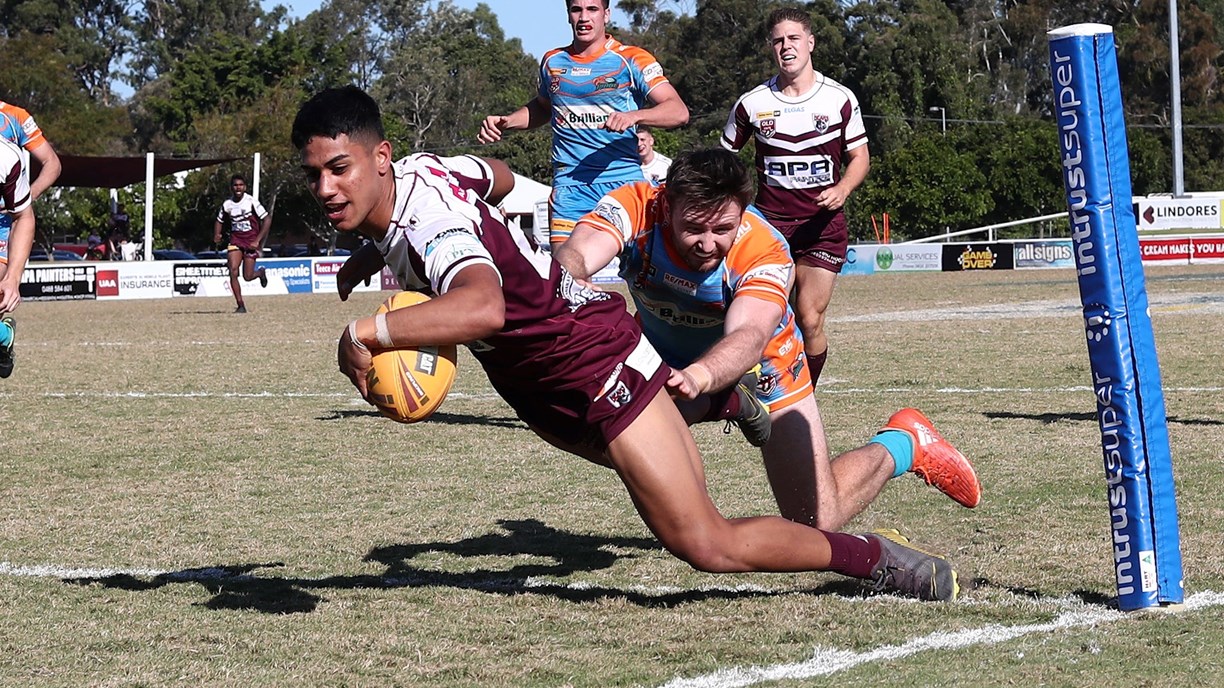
{"type": "Point", "coordinates": [620, 395]}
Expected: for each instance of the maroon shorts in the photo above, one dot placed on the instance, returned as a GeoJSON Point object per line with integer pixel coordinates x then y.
{"type": "Point", "coordinates": [819, 241]}
{"type": "Point", "coordinates": [247, 242]}
{"type": "Point", "coordinates": [591, 407]}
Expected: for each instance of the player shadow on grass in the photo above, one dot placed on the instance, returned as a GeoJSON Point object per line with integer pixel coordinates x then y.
{"type": "Point", "coordinates": [1051, 418]}
{"type": "Point", "coordinates": [236, 587]}
{"type": "Point", "coordinates": [439, 417]}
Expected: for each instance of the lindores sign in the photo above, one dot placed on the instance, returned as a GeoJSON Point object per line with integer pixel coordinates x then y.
{"type": "Point", "coordinates": [1179, 213]}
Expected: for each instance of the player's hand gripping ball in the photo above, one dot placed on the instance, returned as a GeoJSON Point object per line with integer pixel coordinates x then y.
{"type": "Point", "coordinates": [409, 383]}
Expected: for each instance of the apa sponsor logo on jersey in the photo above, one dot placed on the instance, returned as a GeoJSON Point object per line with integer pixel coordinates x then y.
{"type": "Point", "coordinates": [582, 117]}
{"type": "Point", "coordinates": [821, 123]}
{"type": "Point", "coordinates": [768, 127]}
{"type": "Point", "coordinates": [680, 284]}
{"type": "Point", "coordinates": [652, 71]}
{"type": "Point", "coordinates": [799, 171]}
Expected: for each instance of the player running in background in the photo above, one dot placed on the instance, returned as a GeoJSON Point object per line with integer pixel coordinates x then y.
{"type": "Point", "coordinates": [571, 361]}
{"type": "Point", "coordinates": [654, 163]}
{"type": "Point", "coordinates": [249, 225]}
{"type": "Point", "coordinates": [807, 127]}
{"type": "Point", "coordinates": [710, 280]}
{"type": "Point", "coordinates": [19, 128]}
{"type": "Point", "coordinates": [15, 243]}
{"type": "Point", "coordinates": [594, 92]}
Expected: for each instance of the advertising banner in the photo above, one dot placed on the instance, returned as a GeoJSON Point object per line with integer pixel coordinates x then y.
{"type": "Point", "coordinates": [860, 260]}
{"type": "Point", "coordinates": [1157, 214]}
{"type": "Point", "coordinates": [59, 283]}
{"type": "Point", "coordinates": [135, 279]}
{"type": "Point", "coordinates": [908, 258]}
{"type": "Point", "coordinates": [1035, 255]}
{"type": "Point", "coordinates": [983, 256]}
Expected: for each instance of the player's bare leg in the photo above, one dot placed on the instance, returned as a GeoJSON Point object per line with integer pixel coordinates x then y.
{"type": "Point", "coordinates": [809, 487]}
{"type": "Point", "coordinates": [233, 258]}
{"type": "Point", "coordinates": [249, 273]}
{"type": "Point", "coordinates": [813, 292]}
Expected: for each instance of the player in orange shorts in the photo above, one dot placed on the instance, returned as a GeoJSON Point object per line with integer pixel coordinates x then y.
{"type": "Point", "coordinates": [710, 279]}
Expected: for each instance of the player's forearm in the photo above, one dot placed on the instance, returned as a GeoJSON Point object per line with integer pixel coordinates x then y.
{"type": "Point", "coordinates": [856, 173]}
{"type": "Point", "coordinates": [665, 114]}
{"type": "Point", "coordinates": [51, 168]}
{"type": "Point", "coordinates": [572, 260]}
{"type": "Point", "coordinates": [731, 357]}
{"type": "Point", "coordinates": [21, 241]}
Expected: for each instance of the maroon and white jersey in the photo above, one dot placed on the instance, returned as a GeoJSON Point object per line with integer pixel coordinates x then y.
{"type": "Point", "coordinates": [244, 215]}
{"type": "Point", "coordinates": [469, 170]}
{"type": "Point", "coordinates": [800, 142]}
{"type": "Point", "coordinates": [554, 335]}
{"type": "Point", "coordinates": [14, 179]}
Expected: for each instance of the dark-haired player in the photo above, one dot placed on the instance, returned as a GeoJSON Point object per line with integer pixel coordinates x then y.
{"type": "Point", "coordinates": [571, 361]}
{"type": "Point", "coordinates": [249, 224]}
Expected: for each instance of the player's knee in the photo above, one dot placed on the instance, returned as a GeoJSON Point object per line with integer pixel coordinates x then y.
{"type": "Point", "coordinates": [704, 553]}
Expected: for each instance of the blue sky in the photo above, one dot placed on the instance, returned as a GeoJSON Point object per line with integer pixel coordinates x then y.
{"type": "Point", "coordinates": [539, 24]}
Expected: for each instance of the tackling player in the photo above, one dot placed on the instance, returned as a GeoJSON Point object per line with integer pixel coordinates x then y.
{"type": "Point", "coordinates": [710, 280]}
{"type": "Point", "coordinates": [249, 224]}
{"type": "Point", "coordinates": [594, 93]}
{"type": "Point", "coordinates": [15, 243]}
{"type": "Point", "coordinates": [807, 127]}
{"type": "Point", "coordinates": [571, 361]}
{"type": "Point", "coordinates": [19, 128]}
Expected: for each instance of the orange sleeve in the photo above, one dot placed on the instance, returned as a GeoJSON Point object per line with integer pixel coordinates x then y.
{"type": "Point", "coordinates": [623, 213]}
{"type": "Point", "coordinates": [761, 262]}
{"type": "Point", "coordinates": [652, 71]}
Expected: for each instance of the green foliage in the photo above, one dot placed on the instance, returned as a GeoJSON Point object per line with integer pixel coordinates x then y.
{"type": "Point", "coordinates": [223, 77]}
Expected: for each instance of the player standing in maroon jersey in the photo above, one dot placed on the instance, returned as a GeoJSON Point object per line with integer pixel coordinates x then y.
{"type": "Point", "coordinates": [807, 128]}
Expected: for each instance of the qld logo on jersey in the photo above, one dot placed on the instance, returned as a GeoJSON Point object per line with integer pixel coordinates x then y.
{"type": "Point", "coordinates": [768, 127]}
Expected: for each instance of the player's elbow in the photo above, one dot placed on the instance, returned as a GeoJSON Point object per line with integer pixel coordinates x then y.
{"type": "Point", "coordinates": [485, 319]}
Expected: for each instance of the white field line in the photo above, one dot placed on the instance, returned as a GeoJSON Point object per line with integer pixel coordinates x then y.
{"type": "Point", "coordinates": [826, 660]}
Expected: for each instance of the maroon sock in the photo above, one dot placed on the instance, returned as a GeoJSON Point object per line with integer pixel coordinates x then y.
{"type": "Point", "coordinates": [816, 363]}
{"type": "Point", "coordinates": [723, 405]}
{"type": "Point", "coordinates": [852, 555]}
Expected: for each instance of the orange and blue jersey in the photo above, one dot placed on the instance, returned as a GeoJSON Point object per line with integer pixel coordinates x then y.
{"type": "Point", "coordinates": [18, 126]}
{"type": "Point", "coordinates": [683, 311]}
{"type": "Point", "coordinates": [584, 91]}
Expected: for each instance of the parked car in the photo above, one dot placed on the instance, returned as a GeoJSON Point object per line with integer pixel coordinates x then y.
{"type": "Point", "coordinates": [172, 254]}
{"type": "Point", "coordinates": [40, 254]}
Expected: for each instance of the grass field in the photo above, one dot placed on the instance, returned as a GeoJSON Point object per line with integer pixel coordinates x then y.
{"type": "Point", "coordinates": [191, 497]}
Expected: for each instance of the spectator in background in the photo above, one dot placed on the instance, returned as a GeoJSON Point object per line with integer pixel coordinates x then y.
{"type": "Point", "coordinates": [594, 92]}
{"type": "Point", "coordinates": [249, 224]}
{"type": "Point", "coordinates": [654, 163]}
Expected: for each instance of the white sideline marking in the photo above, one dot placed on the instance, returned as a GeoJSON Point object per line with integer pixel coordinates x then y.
{"type": "Point", "coordinates": [826, 660]}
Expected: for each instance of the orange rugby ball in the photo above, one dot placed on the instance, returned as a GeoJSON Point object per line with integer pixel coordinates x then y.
{"type": "Point", "coordinates": [408, 384]}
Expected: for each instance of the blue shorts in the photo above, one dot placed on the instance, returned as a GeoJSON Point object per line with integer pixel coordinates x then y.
{"type": "Point", "coordinates": [6, 225]}
{"type": "Point", "coordinates": [568, 204]}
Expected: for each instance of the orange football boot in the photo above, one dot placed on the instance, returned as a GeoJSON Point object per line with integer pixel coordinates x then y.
{"type": "Point", "coordinates": [935, 460]}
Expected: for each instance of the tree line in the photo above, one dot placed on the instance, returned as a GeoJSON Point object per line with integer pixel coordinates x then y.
{"type": "Point", "coordinates": [956, 94]}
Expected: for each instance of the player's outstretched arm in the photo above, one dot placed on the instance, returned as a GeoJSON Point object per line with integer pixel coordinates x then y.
{"type": "Point", "coordinates": [51, 167]}
{"type": "Point", "coordinates": [586, 251]}
{"type": "Point", "coordinates": [747, 329]}
{"type": "Point", "coordinates": [533, 114]}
